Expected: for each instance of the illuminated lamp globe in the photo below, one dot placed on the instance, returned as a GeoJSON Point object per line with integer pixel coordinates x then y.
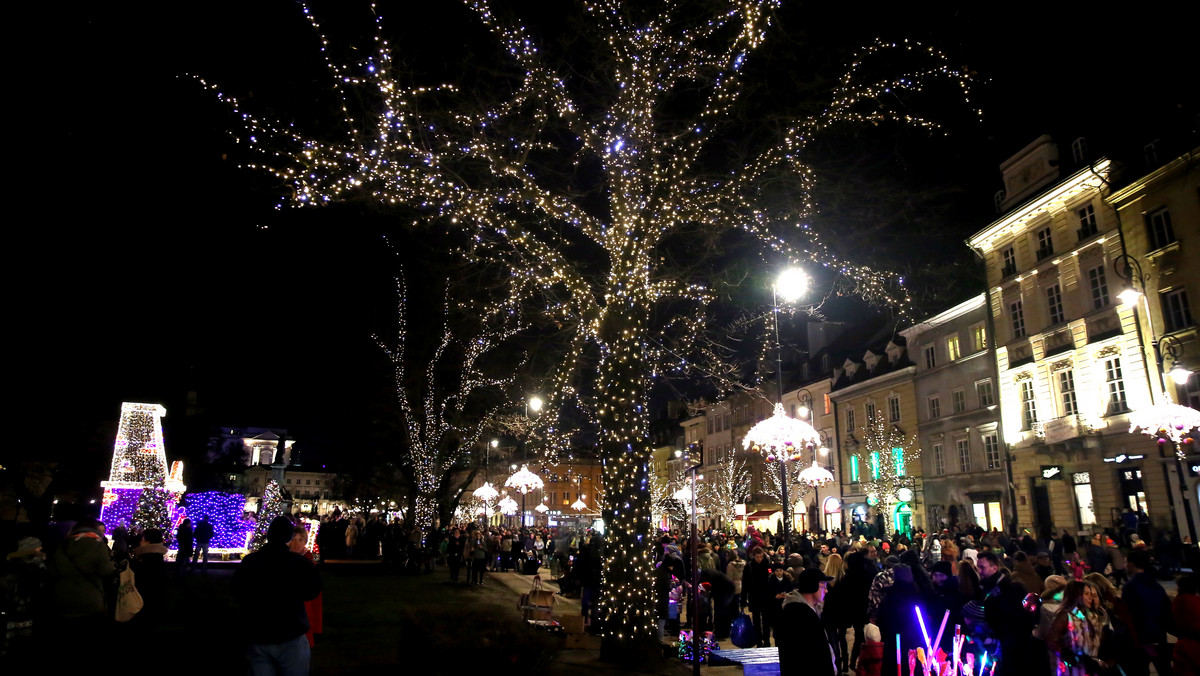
{"type": "Point", "coordinates": [1179, 374]}
{"type": "Point", "coordinates": [579, 505]}
{"type": "Point", "coordinates": [486, 492]}
{"type": "Point", "coordinates": [508, 506]}
{"type": "Point", "coordinates": [791, 284]}
{"type": "Point", "coordinates": [773, 436]}
{"type": "Point", "coordinates": [815, 476]}
{"type": "Point", "coordinates": [541, 508]}
{"type": "Point", "coordinates": [524, 480]}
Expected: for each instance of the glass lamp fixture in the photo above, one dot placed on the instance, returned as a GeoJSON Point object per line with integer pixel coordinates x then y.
{"type": "Point", "coordinates": [815, 476]}
{"type": "Point", "coordinates": [579, 505]}
{"type": "Point", "coordinates": [1166, 422]}
{"type": "Point", "coordinates": [541, 508]}
{"type": "Point", "coordinates": [524, 480]}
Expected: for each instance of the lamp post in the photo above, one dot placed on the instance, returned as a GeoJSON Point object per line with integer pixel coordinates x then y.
{"type": "Point", "coordinates": [1163, 420]}
{"type": "Point", "coordinates": [791, 284]}
{"type": "Point", "coordinates": [524, 480]}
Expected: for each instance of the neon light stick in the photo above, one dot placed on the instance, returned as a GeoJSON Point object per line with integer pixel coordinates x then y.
{"type": "Point", "coordinates": [941, 630]}
{"type": "Point", "coordinates": [897, 652]}
{"type": "Point", "coordinates": [924, 631]}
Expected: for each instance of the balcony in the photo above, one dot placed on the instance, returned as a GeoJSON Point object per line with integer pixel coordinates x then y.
{"type": "Point", "coordinates": [1059, 430]}
{"type": "Point", "coordinates": [1008, 270]}
{"type": "Point", "coordinates": [1045, 252]}
{"type": "Point", "coordinates": [1085, 233]}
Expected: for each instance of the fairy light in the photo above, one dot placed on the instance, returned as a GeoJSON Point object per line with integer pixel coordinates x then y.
{"type": "Point", "coordinates": [408, 146]}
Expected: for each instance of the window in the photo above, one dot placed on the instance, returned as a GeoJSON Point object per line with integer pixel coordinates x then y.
{"type": "Point", "coordinates": [893, 409]}
{"type": "Point", "coordinates": [959, 398]}
{"type": "Point", "coordinates": [1008, 258]}
{"type": "Point", "coordinates": [828, 405]}
{"type": "Point", "coordinates": [1087, 222]}
{"type": "Point", "coordinates": [1099, 287]}
{"type": "Point", "coordinates": [1045, 244]}
{"type": "Point", "coordinates": [979, 337]}
{"type": "Point", "coordinates": [952, 350]}
{"type": "Point", "coordinates": [898, 461]}
{"type": "Point", "coordinates": [983, 388]}
{"type": "Point", "coordinates": [825, 363]}
{"type": "Point", "coordinates": [1158, 228]}
{"type": "Point", "coordinates": [1054, 304]}
{"type": "Point", "coordinates": [1116, 386]}
{"type": "Point", "coordinates": [1083, 498]}
{"type": "Point", "coordinates": [308, 482]}
{"type": "Point", "coordinates": [710, 425]}
{"type": "Point", "coordinates": [874, 464]}
{"type": "Point", "coordinates": [725, 421]}
{"type": "Point", "coordinates": [854, 469]}
{"type": "Point", "coordinates": [1017, 315]}
{"type": "Point", "coordinates": [964, 454]}
{"type": "Point", "coordinates": [1176, 313]}
{"type": "Point", "coordinates": [930, 356]}
{"type": "Point", "coordinates": [1028, 405]}
{"type": "Point", "coordinates": [1191, 392]}
{"type": "Point", "coordinates": [991, 450]}
{"type": "Point", "coordinates": [1066, 392]}
{"type": "Point", "coordinates": [850, 426]}
{"type": "Point", "coordinates": [935, 407]}
{"type": "Point", "coordinates": [939, 459]}
{"type": "Point", "coordinates": [870, 413]}
{"type": "Point", "coordinates": [804, 371]}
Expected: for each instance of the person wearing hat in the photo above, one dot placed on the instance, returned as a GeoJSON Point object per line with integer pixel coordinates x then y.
{"type": "Point", "coordinates": [880, 585]}
{"type": "Point", "coordinates": [271, 585]}
{"type": "Point", "coordinates": [804, 646]}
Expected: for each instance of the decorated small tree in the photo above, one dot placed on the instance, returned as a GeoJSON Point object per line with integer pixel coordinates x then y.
{"type": "Point", "coordinates": [152, 508]}
{"type": "Point", "coordinates": [270, 507]}
{"type": "Point", "coordinates": [727, 487]}
{"type": "Point", "coordinates": [886, 454]}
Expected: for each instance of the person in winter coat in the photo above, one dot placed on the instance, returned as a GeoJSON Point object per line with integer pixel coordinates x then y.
{"type": "Point", "coordinates": [778, 585]}
{"type": "Point", "coordinates": [804, 647]}
{"type": "Point", "coordinates": [734, 569]}
{"type": "Point", "coordinates": [1003, 607]}
{"type": "Point", "coordinates": [79, 569]}
{"type": "Point", "coordinates": [351, 539]}
{"type": "Point", "coordinates": [860, 572]}
{"type": "Point", "coordinates": [1186, 610]}
{"type": "Point", "coordinates": [186, 541]}
{"type": "Point", "coordinates": [755, 593]}
{"type": "Point", "coordinates": [1151, 611]}
{"type": "Point", "coordinates": [1024, 573]}
{"type": "Point", "coordinates": [895, 616]}
{"type": "Point", "coordinates": [705, 558]}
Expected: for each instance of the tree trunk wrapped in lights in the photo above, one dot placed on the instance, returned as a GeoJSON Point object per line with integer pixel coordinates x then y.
{"type": "Point", "coordinates": [573, 183]}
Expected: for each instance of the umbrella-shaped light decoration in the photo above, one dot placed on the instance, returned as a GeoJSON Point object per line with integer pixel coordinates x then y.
{"type": "Point", "coordinates": [1166, 422]}
{"type": "Point", "coordinates": [782, 437]}
{"type": "Point", "coordinates": [683, 494]}
{"type": "Point", "coordinates": [484, 511]}
{"type": "Point", "coordinates": [508, 506]}
{"type": "Point", "coordinates": [524, 480]}
{"type": "Point", "coordinates": [579, 505]}
{"type": "Point", "coordinates": [486, 492]}
{"type": "Point", "coordinates": [541, 508]}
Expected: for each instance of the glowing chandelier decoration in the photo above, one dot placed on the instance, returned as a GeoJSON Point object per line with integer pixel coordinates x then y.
{"type": "Point", "coordinates": [683, 494]}
{"type": "Point", "coordinates": [579, 505]}
{"type": "Point", "coordinates": [541, 508]}
{"type": "Point", "coordinates": [486, 492]}
{"type": "Point", "coordinates": [508, 506]}
{"type": "Point", "coordinates": [1166, 422]}
{"type": "Point", "coordinates": [524, 481]}
{"type": "Point", "coordinates": [815, 475]}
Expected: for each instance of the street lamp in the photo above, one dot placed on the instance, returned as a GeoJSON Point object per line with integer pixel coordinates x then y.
{"type": "Point", "coordinates": [780, 436]}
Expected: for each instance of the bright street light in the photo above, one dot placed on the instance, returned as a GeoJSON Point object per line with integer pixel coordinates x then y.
{"type": "Point", "coordinates": [791, 284]}
{"type": "Point", "coordinates": [535, 403]}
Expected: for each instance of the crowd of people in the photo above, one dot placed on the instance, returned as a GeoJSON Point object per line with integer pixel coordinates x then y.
{"type": "Point", "coordinates": [831, 602]}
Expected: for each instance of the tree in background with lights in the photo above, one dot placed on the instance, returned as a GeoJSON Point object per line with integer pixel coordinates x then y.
{"type": "Point", "coordinates": [797, 489]}
{"type": "Point", "coordinates": [269, 507]}
{"type": "Point", "coordinates": [726, 487]}
{"type": "Point", "coordinates": [589, 182]}
{"type": "Point", "coordinates": [884, 456]}
{"type": "Point", "coordinates": [444, 411]}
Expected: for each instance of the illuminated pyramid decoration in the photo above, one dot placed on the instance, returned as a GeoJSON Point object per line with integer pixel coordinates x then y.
{"type": "Point", "coordinates": [139, 460]}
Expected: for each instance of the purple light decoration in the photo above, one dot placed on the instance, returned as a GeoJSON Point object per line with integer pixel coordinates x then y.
{"type": "Point", "coordinates": [224, 511]}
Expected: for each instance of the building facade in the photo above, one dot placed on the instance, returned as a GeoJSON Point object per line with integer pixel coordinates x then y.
{"type": "Point", "coordinates": [1158, 216]}
{"type": "Point", "coordinates": [964, 458]}
{"type": "Point", "coordinates": [1068, 359]}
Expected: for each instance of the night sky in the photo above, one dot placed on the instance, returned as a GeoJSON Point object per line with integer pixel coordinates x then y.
{"type": "Point", "coordinates": [158, 267]}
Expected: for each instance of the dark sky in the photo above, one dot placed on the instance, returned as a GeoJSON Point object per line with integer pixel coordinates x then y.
{"type": "Point", "coordinates": [151, 272]}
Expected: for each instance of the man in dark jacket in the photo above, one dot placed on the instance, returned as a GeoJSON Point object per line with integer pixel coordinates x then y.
{"type": "Point", "coordinates": [1150, 609]}
{"type": "Point", "coordinates": [803, 644]}
{"type": "Point", "coordinates": [1004, 609]}
{"type": "Point", "coordinates": [272, 585]}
